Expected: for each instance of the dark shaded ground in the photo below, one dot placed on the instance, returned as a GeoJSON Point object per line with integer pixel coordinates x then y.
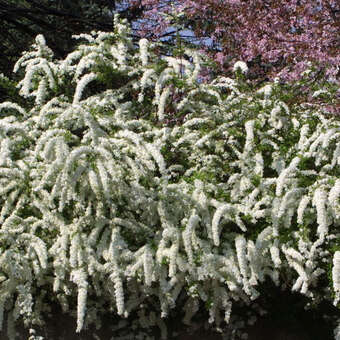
{"type": "Point", "coordinates": [286, 320]}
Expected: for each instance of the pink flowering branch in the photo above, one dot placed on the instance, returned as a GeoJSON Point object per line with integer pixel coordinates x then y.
{"type": "Point", "coordinates": [273, 37]}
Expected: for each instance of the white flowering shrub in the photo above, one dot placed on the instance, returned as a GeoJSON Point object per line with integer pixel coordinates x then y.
{"type": "Point", "coordinates": [128, 186]}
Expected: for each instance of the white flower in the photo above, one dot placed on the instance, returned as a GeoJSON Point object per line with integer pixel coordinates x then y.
{"type": "Point", "coordinates": [157, 156]}
{"type": "Point", "coordinates": [296, 261]}
{"type": "Point", "coordinates": [95, 183]}
{"type": "Point", "coordinates": [275, 255]}
{"type": "Point", "coordinates": [75, 245]}
{"type": "Point", "coordinates": [240, 65]}
{"type": "Point", "coordinates": [88, 37]}
{"type": "Point", "coordinates": [143, 82]}
{"type": "Point", "coordinates": [284, 174]}
{"type": "Point", "coordinates": [336, 276]}
{"type": "Point", "coordinates": [241, 247]}
{"type": "Point", "coordinates": [173, 259]}
{"type": "Point", "coordinates": [301, 209]}
{"type": "Point", "coordinates": [254, 262]}
{"type": "Point", "coordinates": [219, 213]}
{"type": "Point", "coordinates": [148, 266]}
{"type": "Point", "coordinates": [85, 80]}
{"type": "Point", "coordinates": [79, 277]}
{"type": "Point", "coordinates": [41, 92]}
{"type": "Point", "coordinates": [119, 292]}
{"type": "Point", "coordinates": [187, 235]}
{"type": "Point", "coordinates": [162, 101]}
{"type": "Point", "coordinates": [121, 54]}
{"type": "Point", "coordinates": [318, 93]}
{"type": "Point", "coordinates": [303, 136]}
{"type": "Point", "coordinates": [177, 63]}
{"type": "Point", "coordinates": [319, 201]}
{"type": "Point", "coordinates": [9, 105]}
{"type": "Point", "coordinates": [334, 194]}
{"type": "Point", "coordinates": [103, 178]}
{"type": "Point", "coordinates": [85, 62]}
{"type": "Point", "coordinates": [197, 68]}
{"type": "Point", "coordinates": [40, 39]}
{"type": "Point", "coordinates": [266, 90]}
{"type": "Point", "coordinates": [143, 46]}
{"type": "Point", "coordinates": [259, 164]}
{"type": "Point", "coordinates": [249, 127]}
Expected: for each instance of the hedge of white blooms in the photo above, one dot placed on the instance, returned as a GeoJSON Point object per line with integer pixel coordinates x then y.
{"type": "Point", "coordinates": [129, 186]}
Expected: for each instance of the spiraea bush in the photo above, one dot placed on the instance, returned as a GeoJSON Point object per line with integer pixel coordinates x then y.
{"type": "Point", "coordinates": [129, 187]}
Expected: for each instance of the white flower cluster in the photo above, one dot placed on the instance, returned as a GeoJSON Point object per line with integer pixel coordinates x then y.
{"type": "Point", "coordinates": [143, 47]}
{"type": "Point", "coordinates": [336, 276]}
{"type": "Point", "coordinates": [266, 91]}
{"type": "Point", "coordinates": [240, 65]}
{"type": "Point", "coordinates": [103, 201]}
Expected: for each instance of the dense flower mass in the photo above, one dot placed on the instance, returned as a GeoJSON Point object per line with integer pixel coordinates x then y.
{"type": "Point", "coordinates": [130, 187]}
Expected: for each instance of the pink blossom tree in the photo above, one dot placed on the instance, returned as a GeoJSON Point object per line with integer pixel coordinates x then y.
{"type": "Point", "coordinates": [275, 38]}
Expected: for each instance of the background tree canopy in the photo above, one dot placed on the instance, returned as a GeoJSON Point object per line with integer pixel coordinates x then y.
{"type": "Point", "coordinates": [57, 20]}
